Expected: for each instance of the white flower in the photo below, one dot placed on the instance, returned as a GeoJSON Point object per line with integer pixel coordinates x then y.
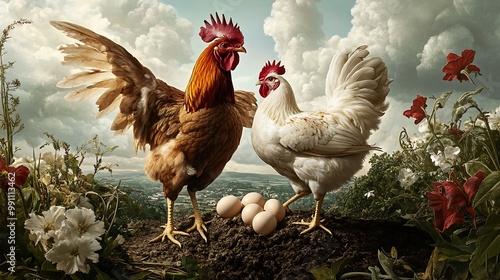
{"type": "Point", "coordinates": [45, 227]}
{"type": "Point", "coordinates": [406, 177]}
{"type": "Point", "coordinates": [71, 255]}
{"type": "Point", "coordinates": [445, 160]}
{"type": "Point", "coordinates": [53, 162]}
{"type": "Point", "coordinates": [494, 119]}
{"type": "Point", "coordinates": [81, 222]}
{"type": "Point", "coordinates": [473, 125]}
{"type": "Point", "coordinates": [30, 164]}
{"type": "Point", "coordinates": [370, 194]}
{"type": "Point", "coordinates": [46, 179]}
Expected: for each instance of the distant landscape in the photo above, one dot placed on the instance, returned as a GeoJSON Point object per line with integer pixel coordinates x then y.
{"type": "Point", "coordinates": [228, 183]}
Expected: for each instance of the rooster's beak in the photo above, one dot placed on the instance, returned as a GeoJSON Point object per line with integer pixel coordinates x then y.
{"type": "Point", "coordinates": [258, 83]}
{"type": "Point", "coordinates": [240, 49]}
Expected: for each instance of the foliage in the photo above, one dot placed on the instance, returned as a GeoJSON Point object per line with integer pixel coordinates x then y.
{"type": "Point", "coordinates": [383, 193]}
{"type": "Point", "coordinates": [388, 262]}
{"type": "Point", "coordinates": [462, 238]}
{"type": "Point", "coordinates": [10, 121]}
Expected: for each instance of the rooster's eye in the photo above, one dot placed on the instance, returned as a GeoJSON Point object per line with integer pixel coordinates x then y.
{"type": "Point", "coordinates": [270, 79]}
{"type": "Point", "coordinates": [223, 45]}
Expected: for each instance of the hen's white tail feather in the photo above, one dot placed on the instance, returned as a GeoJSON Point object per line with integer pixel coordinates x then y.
{"type": "Point", "coordinates": [356, 88]}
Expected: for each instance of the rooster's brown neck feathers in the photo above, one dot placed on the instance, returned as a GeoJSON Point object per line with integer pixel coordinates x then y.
{"type": "Point", "coordinates": [209, 85]}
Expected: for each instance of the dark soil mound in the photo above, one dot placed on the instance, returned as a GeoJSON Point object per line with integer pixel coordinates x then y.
{"type": "Point", "coordinates": [234, 251]}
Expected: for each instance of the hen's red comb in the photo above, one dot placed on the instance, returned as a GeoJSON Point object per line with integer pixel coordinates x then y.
{"type": "Point", "coordinates": [221, 29]}
{"type": "Point", "coordinates": [271, 67]}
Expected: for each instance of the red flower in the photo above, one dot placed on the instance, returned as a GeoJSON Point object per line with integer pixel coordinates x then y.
{"type": "Point", "coordinates": [450, 200]}
{"type": "Point", "coordinates": [457, 65]}
{"type": "Point", "coordinates": [12, 176]}
{"type": "Point", "coordinates": [456, 132]}
{"type": "Point", "coordinates": [417, 109]}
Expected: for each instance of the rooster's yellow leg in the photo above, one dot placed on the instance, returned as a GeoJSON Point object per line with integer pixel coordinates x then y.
{"type": "Point", "coordinates": [198, 221]}
{"type": "Point", "coordinates": [294, 198]}
{"type": "Point", "coordinates": [169, 227]}
{"type": "Point", "coordinates": [316, 222]}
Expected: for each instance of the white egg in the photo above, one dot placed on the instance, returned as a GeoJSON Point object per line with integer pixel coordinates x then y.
{"type": "Point", "coordinates": [229, 206]}
{"type": "Point", "coordinates": [276, 208]}
{"type": "Point", "coordinates": [253, 197]}
{"type": "Point", "coordinates": [264, 223]}
{"type": "Point", "coordinates": [249, 212]}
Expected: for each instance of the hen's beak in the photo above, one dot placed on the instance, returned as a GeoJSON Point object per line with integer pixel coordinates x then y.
{"type": "Point", "coordinates": [240, 49]}
{"type": "Point", "coordinates": [258, 83]}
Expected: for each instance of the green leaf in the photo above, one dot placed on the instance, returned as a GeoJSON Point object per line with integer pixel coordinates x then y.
{"type": "Point", "coordinates": [441, 101]}
{"type": "Point", "coordinates": [455, 250]}
{"type": "Point", "coordinates": [430, 229]}
{"type": "Point", "coordinates": [463, 104]}
{"type": "Point", "coordinates": [340, 264]}
{"type": "Point", "coordinates": [488, 242]}
{"type": "Point", "coordinates": [139, 276]}
{"type": "Point", "coordinates": [322, 272]}
{"type": "Point", "coordinates": [387, 264]}
{"type": "Point", "coordinates": [100, 274]}
{"type": "Point", "coordinates": [473, 166]}
{"type": "Point", "coordinates": [48, 266]}
{"type": "Point", "coordinates": [489, 189]}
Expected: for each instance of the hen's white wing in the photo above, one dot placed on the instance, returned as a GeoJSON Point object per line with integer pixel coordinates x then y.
{"type": "Point", "coordinates": [320, 134]}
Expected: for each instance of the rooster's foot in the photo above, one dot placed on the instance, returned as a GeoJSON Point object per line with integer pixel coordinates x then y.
{"type": "Point", "coordinates": [200, 226]}
{"type": "Point", "coordinates": [169, 232]}
{"type": "Point", "coordinates": [312, 225]}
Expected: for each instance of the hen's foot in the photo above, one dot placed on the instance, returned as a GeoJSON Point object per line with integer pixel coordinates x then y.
{"type": "Point", "coordinates": [312, 225]}
{"type": "Point", "coordinates": [293, 199]}
{"type": "Point", "coordinates": [169, 233]}
{"type": "Point", "coordinates": [316, 222]}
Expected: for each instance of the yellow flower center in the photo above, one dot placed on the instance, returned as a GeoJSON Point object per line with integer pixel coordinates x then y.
{"type": "Point", "coordinates": [82, 228]}
{"type": "Point", "coordinates": [74, 251]}
{"type": "Point", "coordinates": [48, 226]}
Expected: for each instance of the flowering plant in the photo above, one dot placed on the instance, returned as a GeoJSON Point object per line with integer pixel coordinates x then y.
{"type": "Point", "coordinates": [69, 238]}
{"type": "Point", "coordinates": [465, 215]}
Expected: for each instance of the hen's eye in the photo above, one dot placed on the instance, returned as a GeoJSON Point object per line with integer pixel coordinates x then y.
{"type": "Point", "coordinates": [270, 79]}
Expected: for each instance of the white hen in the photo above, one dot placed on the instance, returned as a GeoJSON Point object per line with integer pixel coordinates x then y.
{"type": "Point", "coordinates": [321, 150]}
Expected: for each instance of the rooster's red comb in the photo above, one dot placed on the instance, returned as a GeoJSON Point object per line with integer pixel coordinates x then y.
{"type": "Point", "coordinates": [271, 67]}
{"type": "Point", "coordinates": [221, 29]}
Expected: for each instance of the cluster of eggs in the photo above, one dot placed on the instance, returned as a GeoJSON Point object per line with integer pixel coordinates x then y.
{"type": "Point", "coordinates": [262, 215]}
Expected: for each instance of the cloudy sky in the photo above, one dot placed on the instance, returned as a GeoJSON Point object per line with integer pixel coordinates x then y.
{"type": "Point", "coordinates": [413, 40]}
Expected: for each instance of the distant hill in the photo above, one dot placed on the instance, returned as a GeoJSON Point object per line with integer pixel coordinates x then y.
{"type": "Point", "coordinates": [228, 183]}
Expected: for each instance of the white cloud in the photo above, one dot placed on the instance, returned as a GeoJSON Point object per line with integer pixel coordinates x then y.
{"type": "Point", "coordinates": [150, 30]}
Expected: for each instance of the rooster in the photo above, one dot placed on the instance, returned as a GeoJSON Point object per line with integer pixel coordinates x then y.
{"type": "Point", "coordinates": [321, 150]}
{"type": "Point", "coordinates": [191, 134]}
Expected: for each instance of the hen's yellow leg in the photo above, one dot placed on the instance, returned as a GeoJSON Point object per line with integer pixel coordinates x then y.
{"type": "Point", "coordinates": [198, 221]}
{"type": "Point", "coordinates": [316, 222]}
{"type": "Point", "coordinates": [294, 198]}
{"type": "Point", "coordinates": [169, 227]}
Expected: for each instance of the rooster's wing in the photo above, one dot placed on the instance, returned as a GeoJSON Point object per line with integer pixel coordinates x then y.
{"type": "Point", "coordinates": [119, 79]}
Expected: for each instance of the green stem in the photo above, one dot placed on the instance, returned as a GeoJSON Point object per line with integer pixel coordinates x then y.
{"type": "Point", "coordinates": [23, 202]}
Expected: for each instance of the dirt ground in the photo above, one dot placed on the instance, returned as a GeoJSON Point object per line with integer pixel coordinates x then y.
{"type": "Point", "coordinates": [234, 251]}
